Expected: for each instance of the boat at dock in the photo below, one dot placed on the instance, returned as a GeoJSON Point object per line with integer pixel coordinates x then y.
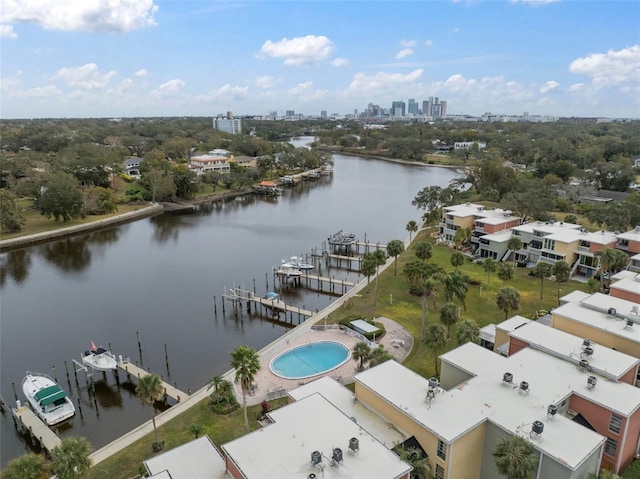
{"type": "Point", "coordinates": [48, 400]}
{"type": "Point", "coordinates": [274, 300]}
{"type": "Point", "coordinates": [296, 262]}
{"type": "Point", "coordinates": [288, 272]}
{"type": "Point", "coordinates": [342, 238]}
{"type": "Point", "coordinates": [99, 358]}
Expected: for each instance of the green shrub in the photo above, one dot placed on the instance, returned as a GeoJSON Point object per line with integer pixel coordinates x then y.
{"type": "Point", "coordinates": [633, 471]}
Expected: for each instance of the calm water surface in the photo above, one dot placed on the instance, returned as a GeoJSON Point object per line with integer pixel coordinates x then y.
{"type": "Point", "coordinates": [155, 280]}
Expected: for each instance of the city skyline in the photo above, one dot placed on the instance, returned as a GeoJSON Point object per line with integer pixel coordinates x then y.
{"type": "Point", "coordinates": [203, 58]}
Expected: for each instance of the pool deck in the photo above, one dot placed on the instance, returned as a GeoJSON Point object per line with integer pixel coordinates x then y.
{"type": "Point", "coordinates": [397, 340]}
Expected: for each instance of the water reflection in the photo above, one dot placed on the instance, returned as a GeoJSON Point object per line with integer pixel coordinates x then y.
{"type": "Point", "coordinates": [15, 265]}
{"type": "Point", "coordinates": [68, 255]}
{"type": "Point", "coordinates": [167, 227]}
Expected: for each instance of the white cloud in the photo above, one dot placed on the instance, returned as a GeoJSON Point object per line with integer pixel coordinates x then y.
{"type": "Point", "coordinates": [380, 81]}
{"type": "Point", "coordinates": [340, 62]}
{"type": "Point", "coordinates": [428, 43]}
{"type": "Point", "coordinates": [87, 76]}
{"type": "Point", "coordinates": [548, 86]}
{"type": "Point", "coordinates": [265, 81]}
{"type": "Point", "coordinates": [49, 91]}
{"type": "Point", "coordinates": [6, 31]}
{"type": "Point", "coordinates": [112, 16]}
{"type": "Point", "coordinates": [169, 88]}
{"type": "Point", "coordinates": [408, 43]}
{"type": "Point", "coordinates": [226, 93]}
{"type": "Point", "coordinates": [300, 50]}
{"type": "Point", "coordinates": [141, 73]}
{"type": "Point", "coordinates": [404, 53]}
{"type": "Point", "coordinates": [576, 87]}
{"type": "Point", "coordinates": [611, 68]}
{"type": "Point", "coordinates": [300, 88]}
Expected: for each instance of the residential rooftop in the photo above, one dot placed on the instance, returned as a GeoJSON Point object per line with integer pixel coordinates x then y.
{"type": "Point", "coordinates": [548, 227]}
{"type": "Point", "coordinates": [457, 411]}
{"type": "Point", "coordinates": [603, 361]}
{"type": "Point", "coordinates": [487, 215]}
{"type": "Point", "coordinates": [630, 284]}
{"type": "Point", "coordinates": [284, 449]}
{"type": "Point", "coordinates": [632, 235]}
{"type": "Point", "coordinates": [198, 459]}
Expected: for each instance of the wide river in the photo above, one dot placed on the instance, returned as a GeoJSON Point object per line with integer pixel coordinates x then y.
{"type": "Point", "coordinates": [154, 280]}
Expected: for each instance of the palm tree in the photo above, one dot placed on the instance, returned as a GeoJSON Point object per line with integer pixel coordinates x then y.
{"type": "Point", "coordinates": [361, 352]}
{"type": "Point", "coordinates": [28, 466]}
{"type": "Point", "coordinates": [489, 265]}
{"type": "Point", "coordinates": [412, 227]}
{"type": "Point", "coordinates": [424, 250]}
{"type": "Point", "coordinates": [246, 362]}
{"type": "Point", "coordinates": [541, 270]}
{"type": "Point", "coordinates": [561, 271]}
{"type": "Point", "coordinates": [215, 383]}
{"type": "Point", "coordinates": [70, 460]}
{"type": "Point", "coordinates": [455, 287]}
{"type": "Point", "coordinates": [435, 339]}
{"type": "Point", "coordinates": [414, 457]}
{"type": "Point", "coordinates": [514, 244]}
{"type": "Point", "coordinates": [607, 259]}
{"type": "Point", "coordinates": [515, 457]}
{"type": "Point", "coordinates": [380, 257]}
{"type": "Point", "coordinates": [467, 331]}
{"type": "Point", "coordinates": [508, 300]}
{"type": "Point", "coordinates": [505, 271]}
{"type": "Point", "coordinates": [449, 316]}
{"type": "Point", "coordinates": [149, 389]}
{"type": "Point", "coordinates": [368, 265]}
{"type": "Point", "coordinates": [379, 355]}
{"type": "Point", "coordinates": [457, 259]}
{"type": "Point", "coordinates": [394, 248]}
{"type": "Point", "coordinates": [428, 285]}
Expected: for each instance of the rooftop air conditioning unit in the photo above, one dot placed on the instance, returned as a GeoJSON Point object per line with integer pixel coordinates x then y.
{"type": "Point", "coordinates": [524, 386]}
{"type": "Point", "coordinates": [584, 364]}
{"type": "Point", "coordinates": [537, 427]}
{"type": "Point", "coordinates": [507, 378]}
{"type": "Point", "coordinates": [431, 394]}
{"type": "Point", "coordinates": [337, 455]}
{"type": "Point", "coordinates": [552, 410]}
{"type": "Point", "coordinates": [311, 476]}
{"type": "Point", "coordinates": [433, 383]}
{"type": "Point", "coordinates": [586, 343]}
{"type": "Point", "coordinates": [591, 382]}
{"type": "Point", "coordinates": [629, 324]}
{"type": "Point", "coordinates": [316, 458]}
{"type": "Point", "coordinates": [354, 445]}
{"type": "Point", "coordinates": [611, 311]}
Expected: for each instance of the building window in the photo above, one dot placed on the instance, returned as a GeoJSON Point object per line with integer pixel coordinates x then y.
{"type": "Point", "coordinates": [439, 472]}
{"type": "Point", "coordinates": [615, 424]}
{"type": "Point", "coordinates": [610, 447]}
{"type": "Point", "coordinates": [442, 449]}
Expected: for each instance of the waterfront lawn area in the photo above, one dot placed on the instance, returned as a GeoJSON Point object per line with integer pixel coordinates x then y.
{"type": "Point", "coordinates": [395, 302]}
{"type": "Point", "coordinates": [221, 429]}
{"type": "Point", "coordinates": [37, 223]}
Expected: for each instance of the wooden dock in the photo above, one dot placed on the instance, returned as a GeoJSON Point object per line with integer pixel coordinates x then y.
{"type": "Point", "coordinates": [344, 285]}
{"type": "Point", "coordinates": [137, 371]}
{"type": "Point", "coordinates": [280, 306]}
{"type": "Point", "coordinates": [28, 420]}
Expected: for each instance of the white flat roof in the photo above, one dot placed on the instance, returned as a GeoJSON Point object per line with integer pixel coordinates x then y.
{"type": "Point", "coordinates": [362, 325]}
{"type": "Point", "coordinates": [605, 361]}
{"type": "Point", "coordinates": [631, 235]}
{"type": "Point", "coordinates": [198, 459]}
{"type": "Point", "coordinates": [547, 227]}
{"type": "Point", "coordinates": [514, 322]}
{"type": "Point", "coordinates": [343, 399]}
{"type": "Point", "coordinates": [599, 320]}
{"type": "Point", "coordinates": [484, 214]}
{"type": "Point", "coordinates": [283, 449]}
{"type": "Point", "coordinates": [629, 284]}
{"type": "Point", "coordinates": [488, 332]}
{"type": "Point", "coordinates": [484, 397]}
{"type": "Point", "coordinates": [625, 273]}
{"type": "Point", "coordinates": [499, 236]}
{"type": "Point", "coordinates": [574, 297]}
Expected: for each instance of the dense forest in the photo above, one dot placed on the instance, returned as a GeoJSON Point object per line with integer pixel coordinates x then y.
{"type": "Point", "coordinates": [531, 168]}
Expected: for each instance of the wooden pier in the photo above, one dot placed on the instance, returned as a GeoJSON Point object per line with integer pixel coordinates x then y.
{"type": "Point", "coordinates": [27, 420]}
{"type": "Point", "coordinates": [321, 280]}
{"type": "Point", "coordinates": [132, 369]}
{"type": "Point", "coordinates": [280, 306]}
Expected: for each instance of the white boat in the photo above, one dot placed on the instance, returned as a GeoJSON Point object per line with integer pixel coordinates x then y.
{"type": "Point", "coordinates": [274, 300]}
{"type": "Point", "coordinates": [99, 359]}
{"type": "Point", "coordinates": [288, 272]}
{"type": "Point", "coordinates": [48, 400]}
{"type": "Point", "coordinates": [296, 262]}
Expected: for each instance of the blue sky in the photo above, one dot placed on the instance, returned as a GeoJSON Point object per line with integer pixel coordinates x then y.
{"type": "Point", "coordinates": [125, 58]}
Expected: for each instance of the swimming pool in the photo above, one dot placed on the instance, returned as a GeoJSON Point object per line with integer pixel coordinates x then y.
{"type": "Point", "coordinates": [310, 360]}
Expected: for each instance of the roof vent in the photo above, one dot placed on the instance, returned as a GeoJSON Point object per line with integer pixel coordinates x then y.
{"type": "Point", "coordinates": [431, 394]}
{"type": "Point", "coordinates": [591, 382]}
{"type": "Point", "coordinates": [586, 343]}
{"type": "Point", "coordinates": [311, 476]}
{"type": "Point", "coordinates": [536, 428]}
{"type": "Point", "coordinates": [552, 410]}
{"type": "Point", "coordinates": [524, 387]}
{"type": "Point", "coordinates": [354, 445]}
{"type": "Point", "coordinates": [507, 378]}
{"type": "Point", "coordinates": [629, 323]}
{"type": "Point", "coordinates": [337, 455]}
{"type": "Point", "coordinates": [611, 311]}
{"type": "Point", "coordinates": [635, 310]}
{"type": "Point", "coordinates": [587, 351]}
{"type": "Point", "coordinates": [316, 458]}
{"type": "Point", "coordinates": [584, 364]}
{"type": "Point", "coordinates": [433, 383]}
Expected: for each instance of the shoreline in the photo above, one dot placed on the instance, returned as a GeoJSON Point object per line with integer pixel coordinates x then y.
{"type": "Point", "coordinates": [391, 160]}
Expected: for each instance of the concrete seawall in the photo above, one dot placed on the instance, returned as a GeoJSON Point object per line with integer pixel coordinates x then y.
{"type": "Point", "coordinates": [30, 240]}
